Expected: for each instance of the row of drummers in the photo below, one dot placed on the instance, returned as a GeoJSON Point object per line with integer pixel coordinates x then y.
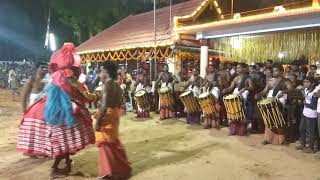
{"type": "Point", "coordinates": [239, 103]}
{"type": "Point", "coordinates": [207, 103]}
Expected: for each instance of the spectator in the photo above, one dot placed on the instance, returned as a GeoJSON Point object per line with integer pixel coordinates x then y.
{"type": "Point", "coordinates": [90, 82]}
{"type": "Point", "coordinates": [13, 85]}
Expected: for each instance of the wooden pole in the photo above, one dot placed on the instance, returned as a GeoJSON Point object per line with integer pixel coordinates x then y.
{"type": "Point", "coordinates": [232, 7]}
{"type": "Point", "coordinates": [170, 12]}
{"type": "Point", "coordinates": [155, 41]}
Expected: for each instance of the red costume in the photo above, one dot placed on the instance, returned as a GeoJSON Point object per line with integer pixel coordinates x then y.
{"type": "Point", "coordinates": [58, 123]}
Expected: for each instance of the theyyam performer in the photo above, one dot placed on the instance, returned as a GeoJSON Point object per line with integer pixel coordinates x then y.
{"type": "Point", "coordinates": [58, 124]}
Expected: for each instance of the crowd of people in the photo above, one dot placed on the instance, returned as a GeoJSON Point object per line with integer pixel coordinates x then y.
{"type": "Point", "coordinates": [22, 71]}
{"type": "Point", "coordinates": [279, 100]}
{"type": "Point", "coordinates": [293, 89]}
{"type": "Point", "coordinates": [14, 75]}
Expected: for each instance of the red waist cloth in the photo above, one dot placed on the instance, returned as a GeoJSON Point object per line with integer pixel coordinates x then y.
{"type": "Point", "coordinates": [113, 160]}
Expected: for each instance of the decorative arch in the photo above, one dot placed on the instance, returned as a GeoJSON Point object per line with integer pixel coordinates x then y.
{"type": "Point", "coordinates": [194, 18]}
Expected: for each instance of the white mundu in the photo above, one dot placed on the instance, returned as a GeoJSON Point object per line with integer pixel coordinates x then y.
{"type": "Point", "coordinates": [282, 100]}
{"type": "Point", "coordinates": [141, 87]}
{"type": "Point", "coordinates": [215, 92]}
{"type": "Point", "coordinates": [196, 90]}
{"type": "Point", "coordinates": [244, 95]}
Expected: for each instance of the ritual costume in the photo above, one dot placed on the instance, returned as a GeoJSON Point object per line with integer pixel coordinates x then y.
{"type": "Point", "coordinates": [58, 123]}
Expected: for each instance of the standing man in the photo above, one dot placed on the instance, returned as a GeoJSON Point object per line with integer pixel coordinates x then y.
{"type": "Point", "coordinates": [242, 85]}
{"type": "Point", "coordinates": [211, 85]}
{"type": "Point", "coordinates": [13, 85]}
{"type": "Point", "coordinates": [90, 82]}
{"type": "Point", "coordinates": [269, 63]}
{"type": "Point", "coordinates": [143, 83]}
{"type": "Point", "coordinates": [308, 124]}
{"type": "Point", "coordinates": [166, 79]}
{"type": "Point", "coordinates": [277, 87]}
{"type": "Point", "coordinates": [225, 75]}
{"type": "Point", "coordinates": [312, 71]}
{"type": "Point", "coordinates": [128, 81]}
{"type": "Point", "coordinates": [34, 85]}
{"type": "Point", "coordinates": [194, 84]}
{"type": "Point", "coordinates": [113, 161]}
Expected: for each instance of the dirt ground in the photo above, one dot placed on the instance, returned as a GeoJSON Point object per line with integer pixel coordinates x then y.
{"type": "Point", "coordinates": [170, 150]}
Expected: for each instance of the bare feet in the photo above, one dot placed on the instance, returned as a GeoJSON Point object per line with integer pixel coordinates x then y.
{"type": "Point", "coordinates": [207, 127]}
{"type": "Point", "coordinates": [308, 150]}
{"type": "Point", "coordinates": [301, 147]}
{"type": "Point", "coordinates": [56, 173]}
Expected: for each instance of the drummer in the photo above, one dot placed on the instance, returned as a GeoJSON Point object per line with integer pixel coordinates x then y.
{"type": "Point", "coordinates": [143, 83]}
{"type": "Point", "coordinates": [194, 85]}
{"type": "Point", "coordinates": [210, 84]}
{"type": "Point", "coordinates": [166, 79]}
{"type": "Point", "coordinates": [243, 86]}
{"type": "Point", "coordinates": [277, 87]}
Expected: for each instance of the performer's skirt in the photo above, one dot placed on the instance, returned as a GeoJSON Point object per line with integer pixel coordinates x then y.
{"type": "Point", "coordinates": [40, 139]}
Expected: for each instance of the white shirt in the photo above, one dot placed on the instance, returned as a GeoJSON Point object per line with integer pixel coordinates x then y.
{"type": "Point", "coordinates": [307, 111]}
{"type": "Point", "coordinates": [318, 106]}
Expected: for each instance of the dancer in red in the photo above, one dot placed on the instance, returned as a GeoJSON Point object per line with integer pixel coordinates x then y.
{"type": "Point", "coordinates": [58, 124]}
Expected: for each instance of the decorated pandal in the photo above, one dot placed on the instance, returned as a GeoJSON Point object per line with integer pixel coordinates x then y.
{"type": "Point", "coordinates": [284, 47]}
{"type": "Point", "coordinates": [162, 53]}
{"type": "Point", "coordinates": [126, 41]}
{"type": "Point", "coordinates": [283, 33]}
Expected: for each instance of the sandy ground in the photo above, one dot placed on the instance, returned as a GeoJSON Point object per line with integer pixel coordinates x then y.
{"type": "Point", "coordinates": [170, 150]}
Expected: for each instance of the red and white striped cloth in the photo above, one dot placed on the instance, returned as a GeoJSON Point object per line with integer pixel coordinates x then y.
{"type": "Point", "coordinates": [37, 138]}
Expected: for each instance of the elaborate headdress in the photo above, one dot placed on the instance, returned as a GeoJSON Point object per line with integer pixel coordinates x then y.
{"type": "Point", "coordinates": [64, 58]}
{"type": "Point", "coordinates": [58, 108]}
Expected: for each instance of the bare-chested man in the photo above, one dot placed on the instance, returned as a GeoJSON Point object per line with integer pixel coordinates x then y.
{"type": "Point", "coordinates": [166, 79]}
{"type": "Point", "coordinates": [194, 84]}
{"type": "Point", "coordinates": [143, 83]}
{"type": "Point", "coordinates": [225, 75]}
{"type": "Point", "coordinates": [277, 87]}
{"type": "Point", "coordinates": [34, 85]}
{"type": "Point", "coordinates": [113, 160]}
{"type": "Point", "coordinates": [211, 85]}
{"type": "Point", "coordinates": [242, 85]}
